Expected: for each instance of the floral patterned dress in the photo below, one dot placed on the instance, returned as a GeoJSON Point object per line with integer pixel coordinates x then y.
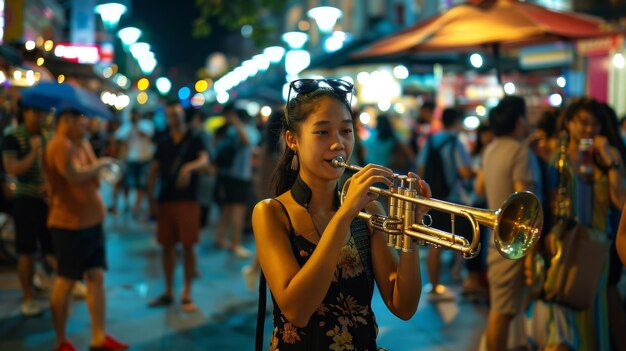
{"type": "Point", "coordinates": [344, 320]}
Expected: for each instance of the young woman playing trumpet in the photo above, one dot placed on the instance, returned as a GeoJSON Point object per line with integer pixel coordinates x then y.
{"type": "Point", "coordinates": [321, 262]}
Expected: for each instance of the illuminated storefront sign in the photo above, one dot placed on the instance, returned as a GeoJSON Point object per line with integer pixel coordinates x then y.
{"type": "Point", "coordinates": [78, 53]}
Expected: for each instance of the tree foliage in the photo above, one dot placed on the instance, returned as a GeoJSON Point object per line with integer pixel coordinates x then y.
{"type": "Point", "coordinates": [233, 14]}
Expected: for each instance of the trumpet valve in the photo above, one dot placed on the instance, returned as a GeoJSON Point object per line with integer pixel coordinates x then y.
{"type": "Point", "coordinates": [400, 209]}
{"type": "Point", "coordinates": [408, 243]}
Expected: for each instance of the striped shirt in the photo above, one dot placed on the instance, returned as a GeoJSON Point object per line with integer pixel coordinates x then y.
{"type": "Point", "coordinates": [17, 144]}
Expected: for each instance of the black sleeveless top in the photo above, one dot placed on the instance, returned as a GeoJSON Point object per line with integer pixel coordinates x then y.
{"type": "Point", "coordinates": [344, 320]}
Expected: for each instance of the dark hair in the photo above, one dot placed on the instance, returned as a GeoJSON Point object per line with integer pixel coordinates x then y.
{"type": "Point", "coordinates": [20, 112]}
{"type": "Point", "coordinates": [172, 102]}
{"type": "Point", "coordinates": [192, 112]}
{"type": "Point", "coordinates": [503, 118]}
{"type": "Point", "coordinates": [479, 146]}
{"type": "Point", "coordinates": [449, 117]}
{"type": "Point", "coordinates": [384, 127]}
{"type": "Point", "coordinates": [272, 131]}
{"type": "Point", "coordinates": [297, 111]}
{"type": "Point", "coordinates": [604, 115]}
{"type": "Point", "coordinates": [243, 115]}
{"type": "Point", "coordinates": [612, 131]}
{"type": "Point", "coordinates": [229, 107]}
{"type": "Point", "coordinates": [586, 103]}
{"type": "Point", "coordinates": [548, 122]}
{"type": "Point", "coordinates": [429, 105]}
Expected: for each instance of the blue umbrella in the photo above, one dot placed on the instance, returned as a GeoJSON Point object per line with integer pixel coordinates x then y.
{"type": "Point", "coordinates": [52, 95]}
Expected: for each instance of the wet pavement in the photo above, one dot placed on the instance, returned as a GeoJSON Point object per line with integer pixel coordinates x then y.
{"type": "Point", "coordinates": [227, 310]}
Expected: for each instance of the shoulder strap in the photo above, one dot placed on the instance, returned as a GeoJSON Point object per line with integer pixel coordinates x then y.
{"type": "Point", "coordinates": [361, 235]}
{"type": "Point", "coordinates": [260, 316]}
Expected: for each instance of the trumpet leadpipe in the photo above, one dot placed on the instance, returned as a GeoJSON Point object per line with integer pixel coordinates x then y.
{"type": "Point", "coordinates": [340, 161]}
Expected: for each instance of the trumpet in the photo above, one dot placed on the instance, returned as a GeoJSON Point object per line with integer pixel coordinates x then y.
{"type": "Point", "coordinates": [516, 224]}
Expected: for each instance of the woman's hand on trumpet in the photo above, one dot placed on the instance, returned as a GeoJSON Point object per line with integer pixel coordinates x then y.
{"type": "Point", "coordinates": [423, 189]}
{"type": "Point", "coordinates": [358, 194]}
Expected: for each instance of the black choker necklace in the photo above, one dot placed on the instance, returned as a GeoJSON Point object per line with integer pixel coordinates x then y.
{"type": "Point", "coordinates": [302, 195]}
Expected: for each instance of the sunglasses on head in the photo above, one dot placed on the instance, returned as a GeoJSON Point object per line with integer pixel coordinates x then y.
{"type": "Point", "coordinates": [304, 86]}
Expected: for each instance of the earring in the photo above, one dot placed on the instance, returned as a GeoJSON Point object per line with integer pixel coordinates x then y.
{"type": "Point", "coordinates": [294, 162]}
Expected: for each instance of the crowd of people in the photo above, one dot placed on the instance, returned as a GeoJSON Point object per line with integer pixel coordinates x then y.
{"type": "Point", "coordinates": [321, 262]}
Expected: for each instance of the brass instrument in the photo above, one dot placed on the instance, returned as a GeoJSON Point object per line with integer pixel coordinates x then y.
{"type": "Point", "coordinates": [516, 224]}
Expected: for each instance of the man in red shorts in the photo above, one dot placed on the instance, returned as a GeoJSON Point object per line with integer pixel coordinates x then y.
{"type": "Point", "coordinates": [75, 222]}
{"type": "Point", "coordinates": [180, 154]}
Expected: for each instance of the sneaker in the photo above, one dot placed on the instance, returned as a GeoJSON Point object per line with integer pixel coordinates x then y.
{"type": "Point", "coordinates": [30, 308]}
{"type": "Point", "coordinates": [79, 291]}
{"type": "Point", "coordinates": [65, 346]}
{"type": "Point", "coordinates": [242, 252]}
{"type": "Point", "coordinates": [110, 344]}
{"type": "Point", "coordinates": [42, 282]}
{"type": "Point", "coordinates": [250, 277]}
{"type": "Point", "coordinates": [439, 294]}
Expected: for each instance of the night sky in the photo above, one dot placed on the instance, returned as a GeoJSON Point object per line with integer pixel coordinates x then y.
{"type": "Point", "coordinates": [167, 28]}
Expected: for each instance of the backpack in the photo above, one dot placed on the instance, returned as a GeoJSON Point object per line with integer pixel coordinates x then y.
{"type": "Point", "coordinates": [434, 169]}
{"type": "Point", "coordinates": [225, 154]}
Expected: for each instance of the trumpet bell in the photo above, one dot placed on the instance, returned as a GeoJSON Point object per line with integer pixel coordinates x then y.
{"type": "Point", "coordinates": [518, 225]}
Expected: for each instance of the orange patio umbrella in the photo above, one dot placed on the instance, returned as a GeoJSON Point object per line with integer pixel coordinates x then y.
{"type": "Point", "coordinates": [493, 23]}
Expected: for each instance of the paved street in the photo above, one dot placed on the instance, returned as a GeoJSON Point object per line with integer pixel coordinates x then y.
{"type": "Point", "coordinates": [227, 315]}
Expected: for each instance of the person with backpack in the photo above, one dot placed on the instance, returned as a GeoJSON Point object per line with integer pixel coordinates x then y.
{"type": "Point", "coordinates": [444, 163]}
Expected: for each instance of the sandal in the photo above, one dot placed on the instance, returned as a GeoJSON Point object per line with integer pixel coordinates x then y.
{"type": "Point", "coordinates": [188, 306]}
{"type": "Point", "coordinates": [162, 300]}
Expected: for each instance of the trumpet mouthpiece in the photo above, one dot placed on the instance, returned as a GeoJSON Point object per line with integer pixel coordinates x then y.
{"type": "Point", "coordinates": [338, 161]}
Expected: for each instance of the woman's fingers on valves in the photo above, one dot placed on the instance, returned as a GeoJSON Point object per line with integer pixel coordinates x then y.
{"type": "Point", "coordinates": [375, 174]}
{"type": "Point", "coordinates": [424, 188]}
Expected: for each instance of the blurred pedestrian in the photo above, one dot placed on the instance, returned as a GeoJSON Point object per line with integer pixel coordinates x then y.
{"type": "Point", "coordinates": [505, 169]}
{"type": "Point", "coordinates": [75, 221]}
{"type": "Point", "coordinates": [179, 156]}
{"type": "Point", "coordinates": [195, 119]}
{"type": "Point", "coordinates": [384, 148]}
{"type": "Point", "coordinates": [475, 282]}
{"type": "Point", "coordinates": [269, 157]}
{"type": "Point", "coordinates": [617, 311]}
{"type": "Point", "coordinates": [588, 198]}
{"type": "Point", "coordinates": [423, 127]}
{"type": "Point", "coordinates": [136, 135]}
{"type": "Point", "coordinates": [22, 150]}
{"type": "Point", "coordinates": [445, 164]}
{"type": "Point", "coordinates": [234, 186]}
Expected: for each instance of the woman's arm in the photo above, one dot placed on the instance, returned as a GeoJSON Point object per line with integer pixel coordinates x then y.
{"type": "Point", "coordinates": [399, 283]}
{"type": "Point", "coordinates": [611, 158]}
{"type": "Point", "coordinates": [299, 291]}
